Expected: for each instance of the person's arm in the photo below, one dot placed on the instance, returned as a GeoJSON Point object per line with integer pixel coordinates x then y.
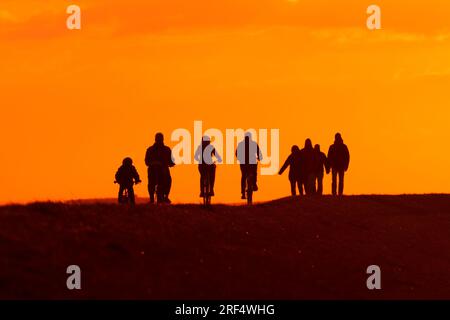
{"type": "Point", "coordinates": [136, 177]}
{"type": "Point", "coordinates": [285, 165]}
{"type": "Point", "coordinates": [238, 153]}
{"type": "Point", "coordinates": [260, 156]}
{"type": "Point", "coordinates": [171, 159]}
{"type": "Point", "coordinates": [217, 155]}
{"type": "Point", "coordinates": [197, 154]}
{"type": "Point", "coordinates": [330, 156]}
{"type": "Point", "coordinates": [117, 176]}
{"type": "Point", "coordinates": [147, 157]}
{"type": "Point", "coordinates": [347, 158]}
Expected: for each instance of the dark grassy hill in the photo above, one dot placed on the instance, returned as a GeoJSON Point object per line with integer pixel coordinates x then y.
{"type": "Point", "coordinates": [302, 248]}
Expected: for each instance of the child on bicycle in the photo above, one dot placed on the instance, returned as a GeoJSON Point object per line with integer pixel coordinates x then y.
{"type": "Point", "coordinates": [206, 165]}
{"type": "Point", "coordinates": [126, 177]}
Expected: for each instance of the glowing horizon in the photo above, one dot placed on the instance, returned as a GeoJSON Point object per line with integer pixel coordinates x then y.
{"type": "Point", "coordinates": [75, 103]}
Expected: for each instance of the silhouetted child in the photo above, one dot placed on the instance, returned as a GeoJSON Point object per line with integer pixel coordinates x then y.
{"type": "Point", "coordinates": [126, 177]}
{"type": "Point", "coordinates": [295, 176]}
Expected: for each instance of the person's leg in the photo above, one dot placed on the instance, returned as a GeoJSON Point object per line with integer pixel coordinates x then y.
{"type": "Point", "coordinates": [302, 185]}
{"type": "Point", "coordinates": [333, 181]}
{"type": "Point", "coordinates": [313, 183]}
{"type": "Point", "coordinates": [160, 185]}
{"type": "Point", "coordinates": [131, 195]}
{"type": "Point", "coordinates": [159, 194]}
{"type": "Point", "coordinates": [212, 178]}
{"type": "Point", "coordinates": [151, 186]}
{"type": "Point", "coordinates": [243, 179]}
{"type": "Point", "coordinates": [309, 184]}
{"type": "Point", "coordinates": [119, 198]}
{"type": "Point", "coordinates": [320, 184]}
{"type": "Point", "coordinates": [201, 180]}
{"type": "Point", "coordinates": [293, 187]}
{"type": "Point", "coordinates": [254, 168]}
{"type": "Point", "coordinates": [164, 183]}
{"type": "Point", "coordinates": [168, 185]}
{"type": "Point", "coordinates": [341, 182]}
{"type": "Point", "coordinates": [151, 192]}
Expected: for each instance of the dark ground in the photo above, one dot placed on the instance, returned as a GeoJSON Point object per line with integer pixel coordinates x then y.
{"type": "Point", "coordinates": [286, 249]}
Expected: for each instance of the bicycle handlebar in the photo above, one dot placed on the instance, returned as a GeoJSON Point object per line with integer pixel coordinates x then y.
{"type": "Point", "coordinates": [134, 182]}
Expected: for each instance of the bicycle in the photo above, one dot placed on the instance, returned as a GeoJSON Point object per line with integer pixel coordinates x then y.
{"type": "Point", "coordinates": [124, 197]}
{"type": "Point", "coordinates": [250, 185]}
{"type": "Point", "coordinates": [207, 187]}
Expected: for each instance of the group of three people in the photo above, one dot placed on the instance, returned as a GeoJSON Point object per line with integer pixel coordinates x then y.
{"type": "Point", "coordinates": [306, 167]}
{"type": "Point", "coordinates": [159, 160]}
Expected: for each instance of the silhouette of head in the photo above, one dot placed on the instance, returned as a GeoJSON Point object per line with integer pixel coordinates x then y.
{"type": "Point", "coordinates": [127, 162]}
{"type": "Point", "coordinates": [159, 138]}
{"type": "Point", "coordinates": [248, 136]}
{"type": "Point", "coordinates": [338, 137]}
{"type": "Point", "coordinates": [308, 144]}
{"type": "Point", "coordinates": [206, 140]}
{"type": "Point", "coordinates": [295, 149]}
{"type": "Point", "coordinates": [317, 147]}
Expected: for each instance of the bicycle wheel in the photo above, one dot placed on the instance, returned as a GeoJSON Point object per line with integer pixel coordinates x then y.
{"type": "Point", "coordinates": [205, 189]}
{"type": "Point", "coordinates": [250, 189]}
{"type": "Point", "coordinates": [125, 196]}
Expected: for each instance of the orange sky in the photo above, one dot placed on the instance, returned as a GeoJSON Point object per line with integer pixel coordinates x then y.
{"type": "Point", "coordinates": [74, 103]}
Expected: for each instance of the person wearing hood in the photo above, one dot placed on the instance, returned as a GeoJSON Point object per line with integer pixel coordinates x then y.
{"type": "Point", "coordinates": [307, 167]}
{"type": "Point", "coordinates": [339, 160]}
{"type": "Point", "coordinates": [320, 166]}
{"type": "Point", "coordinates": [294, 164]}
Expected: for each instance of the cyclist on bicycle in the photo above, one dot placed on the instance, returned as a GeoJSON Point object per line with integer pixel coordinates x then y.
{"type": "Point", "coordinates": [126, 177]}
{"type": "Point", "coordinates": [158, 159]}
{"type": "Point", "coordinates": [204, 156]}
{"type": "Point", "coordinates": [248, 154]}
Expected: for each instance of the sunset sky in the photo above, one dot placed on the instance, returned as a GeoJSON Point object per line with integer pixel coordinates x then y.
{"type": "Point", "coordinates": [75, 103]}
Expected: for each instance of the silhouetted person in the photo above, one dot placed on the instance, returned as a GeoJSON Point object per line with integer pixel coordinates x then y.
{"type": "Point", "coordinates": [159, 159]}
{"type": "Point", "coordinates": [248, 155]}
{"type": "Point", "coordinates": [339, 159]}
{"type": "Point", "coordinates": [320, 165]}
{"type": "Point", "coordinates": [307, 167]}
{"type": "Point", "coordinates": [126, 177]}
{"type": "Point", "coordinates": [294, 164]}
{"type": "Point", "coordinates": [204, 155]}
